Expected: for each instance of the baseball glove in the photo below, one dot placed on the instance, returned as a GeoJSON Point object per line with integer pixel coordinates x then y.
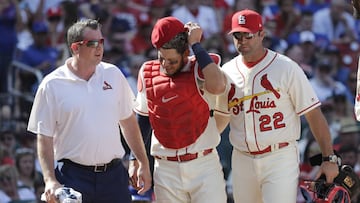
{"type": "Point", "coordinates": [347, 177]}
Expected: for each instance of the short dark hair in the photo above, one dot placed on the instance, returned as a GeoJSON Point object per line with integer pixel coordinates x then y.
{"type": "Point", "coordinates": [75, 32]}
{"type": "Point", "coordinates": [179, 42]}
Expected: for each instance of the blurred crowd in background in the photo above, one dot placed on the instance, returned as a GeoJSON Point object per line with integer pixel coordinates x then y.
{"type": "Point", "coordinates": [322, 36]}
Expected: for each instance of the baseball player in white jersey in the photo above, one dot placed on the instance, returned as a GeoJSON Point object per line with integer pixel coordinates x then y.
{"type": "Point", "coordinates": [267, 94]}
{"type": "Point", "coordinates": [176, 93]}
{"type": "Point", "coordinates": [357, 96]}
{"type": "Point", "coordinates": [356, 10]}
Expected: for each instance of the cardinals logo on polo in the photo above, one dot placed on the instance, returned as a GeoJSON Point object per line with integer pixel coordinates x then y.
{"type": "Point", "coordinates": [106, 86]}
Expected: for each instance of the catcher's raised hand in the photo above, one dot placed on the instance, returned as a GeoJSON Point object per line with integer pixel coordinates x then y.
{"type": "Point", "coordinates": [194, 31]}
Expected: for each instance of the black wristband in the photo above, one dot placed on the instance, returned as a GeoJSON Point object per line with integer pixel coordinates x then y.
{"type": "Point", "coordinates": [202, 57]}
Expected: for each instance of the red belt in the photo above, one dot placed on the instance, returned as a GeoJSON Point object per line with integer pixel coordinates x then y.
{"type": "Point", "coordinates": [186, 157]}
{"type": "Point", "coordinates": [268, 149]}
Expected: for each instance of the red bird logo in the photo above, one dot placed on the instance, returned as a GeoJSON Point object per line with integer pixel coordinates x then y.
{"type": "Point", "coordinates": [231, 92]}
{"type": "Point", "coordinates": [106, 86]}
{"type": "Point", "coordinates": [265, 83]}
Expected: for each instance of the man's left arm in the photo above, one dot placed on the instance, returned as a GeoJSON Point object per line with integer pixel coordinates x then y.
{"type": "Point", "coordinates": [320, 129]}
{"type": "Point", "coordinates": [132, 135]}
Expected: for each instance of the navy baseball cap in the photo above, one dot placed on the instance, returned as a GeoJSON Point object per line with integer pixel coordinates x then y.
{"type": "Point", "coordinates": [39, 27]}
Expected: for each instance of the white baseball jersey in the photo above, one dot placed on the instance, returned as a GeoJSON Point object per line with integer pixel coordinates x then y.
{"type": "Point", "coordinates": [266, 101]}
{"type": "Point", "coordinates": [357, 96]}
{"type": "Point", "coordinates": [82, 116]}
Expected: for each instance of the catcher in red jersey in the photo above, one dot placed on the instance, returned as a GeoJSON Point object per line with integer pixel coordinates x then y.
{"type": "Point", "coordinates": [177, 93]}
{"type": "Point", "coordinates": [267, 94]}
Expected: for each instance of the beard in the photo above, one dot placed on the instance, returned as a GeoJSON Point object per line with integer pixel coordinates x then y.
{"type": "Point", "coordinates": [181, 65]}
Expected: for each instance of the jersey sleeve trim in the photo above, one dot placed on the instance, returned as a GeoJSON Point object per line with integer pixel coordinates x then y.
{"type": "Point", "coordinates": [304, 111]}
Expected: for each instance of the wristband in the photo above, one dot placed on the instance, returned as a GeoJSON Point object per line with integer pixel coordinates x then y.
{"type": "Point", "coordinates": [202, 57]}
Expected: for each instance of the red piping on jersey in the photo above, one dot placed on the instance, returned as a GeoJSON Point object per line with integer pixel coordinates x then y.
{"type": "Point", "coordinates": [257, 145]}
{"type": "Point", "coordinates": [299, 113]}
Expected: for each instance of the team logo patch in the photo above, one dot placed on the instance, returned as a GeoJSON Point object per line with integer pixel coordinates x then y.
{"type": "Point", "coordinates": [106, 86]}
{"type": "Point", "coordinates": [241, 20]}
{"type": "Point", "coordinates": [265, 83]}
{"type": "Point", "coordinates": [167, 99]}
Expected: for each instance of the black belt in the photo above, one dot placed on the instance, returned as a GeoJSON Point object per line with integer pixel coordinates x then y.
{"type": "Point", "coordinates": [95, 168]}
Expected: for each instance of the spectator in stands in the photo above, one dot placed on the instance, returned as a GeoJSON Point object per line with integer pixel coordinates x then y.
{"type": "Point", "coordinates": [27, 174]}
{"type": "Point", "coordinates": [140, 43]}
{"type": "Point", "coordinates": [56, 27]}
{"type": "Point", "coordinates": [10, 19]}
{"type": "Point", "coordinates": [307, 42]}
{"type": "Point", "coordinates": [40, 56]}
{"type": "Point", "coordinates": [349, 156]}
{"type": "Point", "coordinates": [56, 36]}
{"type": "Point", "coordinates": [324, 84]}
{"type": "Point", "coordinates": [314, 5]}
{"type": "Point", "coordinates": [306, 22]}
{"type": "Point", "coordinates": [37, 9]}
{"type": "Point", "coordinates": [349, 134]}
{"type": "Point", "coordinates": [351, 86]}
{"type": "Point", "coordinates": [9, 192]}
{"type": "Point", "coordinates": [334, 22]}
{"type": "Point", "coordinates": [8, 144]}
{"type": "Point", "coordinates": [343, 108]}
{"type": "Point", "coordinates": [7, 118]}
{"type": "Point", "coordinates": [195, 11]}
{"type": "Point", "coordinates": [296, 53]}
{"type": "Point", "coordinates": [287, 17]}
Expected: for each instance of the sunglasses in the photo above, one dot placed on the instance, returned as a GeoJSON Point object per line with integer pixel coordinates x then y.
{"type": "Point", "coordinates": [92, 43]}
{"type": "Point", "coordinates": [5, 178]}
{"type": "Point", "coordinates": [7, 138]}
{"type": "Point", "coordinates": [241, 35]}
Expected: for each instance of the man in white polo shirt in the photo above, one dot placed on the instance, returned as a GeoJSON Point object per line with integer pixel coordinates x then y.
{"type": "Point", "coordinates": [76, 115]}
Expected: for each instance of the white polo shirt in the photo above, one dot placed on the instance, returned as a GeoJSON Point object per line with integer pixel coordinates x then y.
{"type": "Point", "coordinates": [82, 116]}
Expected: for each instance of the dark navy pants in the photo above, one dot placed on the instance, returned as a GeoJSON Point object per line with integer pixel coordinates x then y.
{"type": "Point", "coordinates": [110, 186]}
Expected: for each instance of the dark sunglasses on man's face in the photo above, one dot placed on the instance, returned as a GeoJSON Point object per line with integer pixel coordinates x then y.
{"type": "Point", "coordinates": [5, 178]}
{"type": "Point", "coordinates": [92, 43]}
{"type": "Point", "coordinates": [241, 35]}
